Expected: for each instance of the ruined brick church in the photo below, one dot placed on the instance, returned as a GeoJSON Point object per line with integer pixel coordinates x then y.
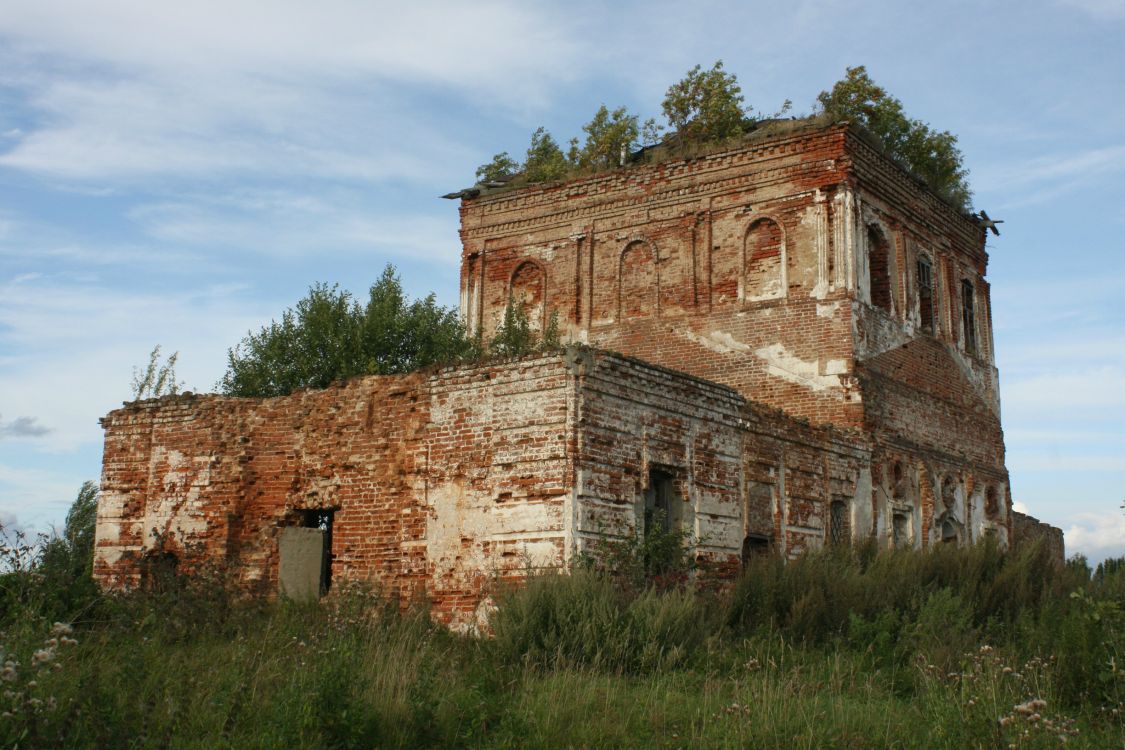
{"type": "Point", "coordinates": [776, 346]}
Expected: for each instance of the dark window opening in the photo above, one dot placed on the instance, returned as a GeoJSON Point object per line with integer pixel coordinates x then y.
{"type": "Point", "coordinates": [898, 486]}
{"type": "Point", "coordinates": [159, 569]}
{"type": "Point", "coordinates": [879, 268]}
{"type": "Point", "coordinates": [991, 502]}
{"type": "Point", "coordinates": [968, 316]}
{"type": "Point", "coordinates": [900, 528]}
{"type": "Point", "coordinates": [926, 294]}
{"type": "Point", "coordinates": [949, 533]}
{"type": "Point", "coordinates": [661, 506]}
{"type": "Point", "coordinates": [837, 522]}
{"type": "Point", "coordinates": [321, 518]}
{"type": "Point", "coordinates": [755, 545]}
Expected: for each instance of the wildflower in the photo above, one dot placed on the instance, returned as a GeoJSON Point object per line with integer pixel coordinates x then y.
{"type": "Point", "coordinates": [8, 674]}
{"type": "Point", "coordinates": [1007, 670]}
{"type": "Point", "coordinates": [61, 628]}
{"type": "Point", "coordinates": [42, 656]}
{"type": "Point", "coordinates": [32, 685]}
{"type": "Point", "coordinates": [1005, 720]}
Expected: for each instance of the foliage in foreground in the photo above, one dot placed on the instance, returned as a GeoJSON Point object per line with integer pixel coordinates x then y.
{"type": "Point", "coordinates": [842, 648]}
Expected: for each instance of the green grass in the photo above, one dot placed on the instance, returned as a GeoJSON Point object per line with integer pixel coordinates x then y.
{"type": "Point", "coordinates": [846, 648]}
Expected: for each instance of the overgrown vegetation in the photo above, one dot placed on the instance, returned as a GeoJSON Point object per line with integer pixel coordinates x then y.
{"type": "Point", "coordinates": [707, 108]}
{"type": "Point", "coordinates": [931, 154]}
{"type": "Point", "coordinates": [842, 648]}
{"type": "Point", "coordinates": [328, 336]}
{"type": "Point", "coordinates": [157, 378]}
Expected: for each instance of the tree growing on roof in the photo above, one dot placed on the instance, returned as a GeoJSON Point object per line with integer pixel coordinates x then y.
{"type": "Point", "coordinates": [706, 105]}
{"type": "Point", "coordinates": [545, 160]}
{"type": "Point", "coordinates": [931, 154]}
{"type": "Point", "coordinates": [501, 167]}
{"type": "Point", "coordinates": [610, 137]}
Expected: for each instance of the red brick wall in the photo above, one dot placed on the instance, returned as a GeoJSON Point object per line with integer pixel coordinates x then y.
{"type": "Point", "coordinates": [719, 266]}
{"type": "Point", "coordinates": [437, 482]}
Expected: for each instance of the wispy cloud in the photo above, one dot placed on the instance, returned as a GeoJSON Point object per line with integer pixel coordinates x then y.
{"type": "Point", "coordinates": [74, 342]}
{"type": "Point", "coordinates": [1101, 388]}
{"type": "Point", "coordinates": [288, 222]}
{"type": "Point", "coordinates": [277, 89]}
{"type": "Point", "coordinates": [1043, 178]}
{"type": "Point", "coordinates": [1101, 10]}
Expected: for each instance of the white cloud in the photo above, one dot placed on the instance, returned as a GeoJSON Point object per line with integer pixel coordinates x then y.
{"type": "Point", "coordinates": [1097, 535]}
{"type": "Point", "coordinates": [209, 89]}
{"type": "Point", "coordinates": [445, 42]}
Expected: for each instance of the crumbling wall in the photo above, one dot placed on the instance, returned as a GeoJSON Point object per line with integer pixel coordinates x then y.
{"type": "Point", "coordinates": [435, 482]}
{"type": "Point", "coordinates": [636, 419]}
{"type": "Point", "coordinates": [803, 469]}
{"type": "Point", "coordinates": [1028, 529]}
{"type": "Point", "coordinates": [724, 266]}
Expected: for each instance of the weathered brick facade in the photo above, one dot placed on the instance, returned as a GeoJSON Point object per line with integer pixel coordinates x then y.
{"type": "Point", "coordinates": [802, 268]}
{"type": "Point", "coordinates": [827, 327]}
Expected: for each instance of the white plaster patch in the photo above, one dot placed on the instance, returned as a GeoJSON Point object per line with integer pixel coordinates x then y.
{"type": "Point", "coordinates": [827, 309]}
{"type": "Point", "coordinates": [108, 555]}
{"type": "Point", "coordinates": [719, 342]}
{"type": "Point", "coordinates": [796, 370]}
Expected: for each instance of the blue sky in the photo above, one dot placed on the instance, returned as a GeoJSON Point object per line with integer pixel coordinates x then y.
{"type": "Point", "coordinates": [179, 173]}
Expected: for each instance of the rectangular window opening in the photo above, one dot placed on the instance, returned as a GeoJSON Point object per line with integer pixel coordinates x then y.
{"type": "Point", "coordinates": [901, 529]}
{"type": "Point", "coordinates": [926, 294]}
{"type": "Point", "coordinates": [661, 506]}
{"type": "Point", "coordinates": [837, 522]}
{"type": "Point", "coordinates": [968, 316]}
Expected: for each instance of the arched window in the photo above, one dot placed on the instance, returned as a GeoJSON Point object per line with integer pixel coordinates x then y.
{"type": "Point", "coordinates": [879, 268]}
{"type": "Point", "coordinates": [638, 287]}
{"type": "Point", "coordinates": [528, 292]}
{"type": "Point", "coordinates": [763, 260]}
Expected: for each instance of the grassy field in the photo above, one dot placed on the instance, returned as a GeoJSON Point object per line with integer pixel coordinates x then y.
{"type": "Point", "coordinates": [843, 648]}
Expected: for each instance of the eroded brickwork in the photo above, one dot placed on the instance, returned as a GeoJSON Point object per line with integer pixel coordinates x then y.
{"type": "Point", "coordinates": [441, 483]}
{"type": "Point", "coordinates": [810, 361]}
{"type": "Point", "coordinates": [435, 481]}
{"type": "Point", "coordinates": [806, 271]}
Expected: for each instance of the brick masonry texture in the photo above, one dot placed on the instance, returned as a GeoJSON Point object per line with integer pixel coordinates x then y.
{"type": "Point", "coordinates": [777, 368]}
